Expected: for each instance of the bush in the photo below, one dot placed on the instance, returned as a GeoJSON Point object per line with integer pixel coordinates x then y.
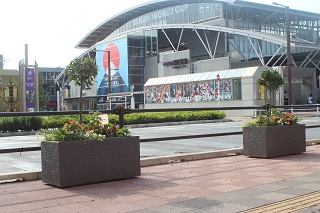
{"type": "Point", "coordinates": [14, 124]}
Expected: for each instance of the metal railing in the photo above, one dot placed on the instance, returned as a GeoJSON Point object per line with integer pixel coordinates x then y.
{"type": "Point", "coordinates": [120, 111]}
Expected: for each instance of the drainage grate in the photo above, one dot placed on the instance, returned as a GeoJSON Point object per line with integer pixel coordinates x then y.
{"type": "Point", "coordinates": [291, 205]}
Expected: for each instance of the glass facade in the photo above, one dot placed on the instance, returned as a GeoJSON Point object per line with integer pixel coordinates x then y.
{"type": "Point", "coordinates": [136, 57]}
{"type": "Point", "coordinates": [261, 20]}
{"type": "Point", "coordinates": [151, 43]}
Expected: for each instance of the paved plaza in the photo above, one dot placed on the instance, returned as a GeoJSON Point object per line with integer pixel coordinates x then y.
{"type": "Point", "coordinates": [227, 184]}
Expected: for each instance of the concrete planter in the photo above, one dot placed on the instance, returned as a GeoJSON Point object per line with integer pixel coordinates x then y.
{"type": "Point", "coordinates": [273, 141]}
{"type": "Point", "coordinates": [72, 163]}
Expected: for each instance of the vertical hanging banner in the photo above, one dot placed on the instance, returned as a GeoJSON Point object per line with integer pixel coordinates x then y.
{"type": "Point", "coordinates": [30, 88]}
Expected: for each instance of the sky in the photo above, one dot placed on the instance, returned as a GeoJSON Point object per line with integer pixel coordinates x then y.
{"type": "Point", "coordinates": [53, 28]}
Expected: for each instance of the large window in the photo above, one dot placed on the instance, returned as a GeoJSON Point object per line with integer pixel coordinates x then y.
{"type": "Point", "coordinates": [136, 56]}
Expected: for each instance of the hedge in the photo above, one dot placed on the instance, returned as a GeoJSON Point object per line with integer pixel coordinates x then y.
{"type": "Point", "coordinates": [14, 124]}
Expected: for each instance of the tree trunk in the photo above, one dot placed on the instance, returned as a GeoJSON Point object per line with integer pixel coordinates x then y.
{"type": "Point", "coordinates": [80, 100]}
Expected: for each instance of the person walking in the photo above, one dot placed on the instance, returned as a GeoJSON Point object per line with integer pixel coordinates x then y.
{"type": "Point", "coordinates": [285, 98]}
{"type": "Point", "coordinates": [310, 99]}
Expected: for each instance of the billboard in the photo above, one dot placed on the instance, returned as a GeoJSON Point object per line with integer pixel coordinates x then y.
{"type": "Point", "coordinates": [30, 88]}
{"type": "Point", "coordinates": [198, 91]}
{"type": "Point", "coordinates": [118, 51]}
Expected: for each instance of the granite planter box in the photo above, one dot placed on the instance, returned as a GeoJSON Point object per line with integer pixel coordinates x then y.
{"type": "Point", "coordinates": [274, 141]}
{"type": "Point", "coordinates": [72, 163]}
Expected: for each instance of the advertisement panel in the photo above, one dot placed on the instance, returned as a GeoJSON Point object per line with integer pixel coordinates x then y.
{"type": "Point", "coordinates": [118, 51]}
{"type": "Point", "coordinates": [30, 88]}
{"type": "Point", "coordinates": [200, 91]}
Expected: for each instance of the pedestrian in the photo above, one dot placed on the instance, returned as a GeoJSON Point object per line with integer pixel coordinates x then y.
{"type": "Point", "coordinates": [285, 98]}
{"type": "Point", "coordinates": [310, 99]}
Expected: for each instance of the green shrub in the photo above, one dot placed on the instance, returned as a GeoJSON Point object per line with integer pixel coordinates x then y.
{"type": "Point", "coordinates": [13, 124]}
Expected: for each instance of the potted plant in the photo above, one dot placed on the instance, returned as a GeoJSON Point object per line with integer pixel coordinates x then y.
{"type": "Point", "coordinates": [277, 133]}
{"type": "Point", "coordinates": [271, 80]}
{"type": "Point", "coordinates": [78, 153]}
{"type": "Point", "coordinates": [274, 135]}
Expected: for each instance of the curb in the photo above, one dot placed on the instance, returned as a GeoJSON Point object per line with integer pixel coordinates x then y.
{"type": "Point", "coordinates": [188, 157]}
{"type": "Point", "coordinates": [24, 176]}
{"type": "Point", "coordinates": [36, 175]}
{"type": "Point", "coordinates": [8, 134]}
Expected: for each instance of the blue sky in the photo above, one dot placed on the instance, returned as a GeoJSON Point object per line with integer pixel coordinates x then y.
{"type": "Point", "coordinates": [52, 28]}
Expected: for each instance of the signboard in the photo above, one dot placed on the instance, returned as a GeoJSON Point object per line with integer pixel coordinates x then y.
{"type": "Point", "coordinates": [118, 69]}
{"type": "Point", "coordinates": [176, 63]}
{"type": "Point", "coordinates": [30, 88]}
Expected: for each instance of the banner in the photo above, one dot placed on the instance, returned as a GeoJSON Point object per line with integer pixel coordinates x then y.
{"type": "Point", "coordinates": [30, 88]}
{"type": "Point", "coordinates": [119, 79]}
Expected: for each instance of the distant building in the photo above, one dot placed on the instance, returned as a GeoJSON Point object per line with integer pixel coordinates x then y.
{"type": "Point", "coordinates": [165, 43]}
{"type": "Point", "coordinates": [48, 75]}
{"type": "Point", "coordinates": [1, 62]}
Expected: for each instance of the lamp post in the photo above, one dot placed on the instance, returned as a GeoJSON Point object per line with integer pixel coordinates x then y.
{"type": "Point", "coordinates": [109, 79]}
{"type": "Point", "coordinates": [288, 51]}
{"type": "Point", "coordinates": [109, 75]}
{"type": "Point", "coordinates": [132, 106]}
{"type": "Point", "coordinates": [218, 79]}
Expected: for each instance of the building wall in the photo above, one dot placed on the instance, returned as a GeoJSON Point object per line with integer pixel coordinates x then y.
{"type": "Point", "coordinates": [303, 83]}
{"type": "Point", "coordinates": [152, 70]}
{"type": "Point", "coordinates": [213, 65]}
{"type": "Point", "coordinates": [169, 57]}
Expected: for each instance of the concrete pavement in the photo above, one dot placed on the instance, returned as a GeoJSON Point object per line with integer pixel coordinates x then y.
{"type": "Point", "coordinates": [227, 184]}
{"type": "Point", "coordinates": [223, 181]}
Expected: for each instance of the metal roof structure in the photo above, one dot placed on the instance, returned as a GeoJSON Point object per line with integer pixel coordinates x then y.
{"type": "Point", "coordinates": [103, 30]}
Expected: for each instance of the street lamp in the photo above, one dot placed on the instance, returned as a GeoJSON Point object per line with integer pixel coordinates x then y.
{"type": "Point", "coordinates": [132, 98]}
{"type": "Point", "coordinates": [218, 79]}
{"type": "Point", "coordinates": [109, 78]}
{"type": "Point", "coordinates": [288, 51]}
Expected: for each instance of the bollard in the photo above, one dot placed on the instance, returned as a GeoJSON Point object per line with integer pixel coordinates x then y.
{"type": "Point", "coordinates": [268, 108]}
{"type": "Point", "coordinates": [317, 111]}
{"type": "Point", "coordinates": [291, 110]}
{"type": "Point", "coordinates": [120, 111]}
{"type": "Point", "coordinates": [121, 116]}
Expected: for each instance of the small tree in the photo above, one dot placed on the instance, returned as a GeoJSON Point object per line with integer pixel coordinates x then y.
{"type": "Point", "coordinates": [43, 96]}
{"type": "Point", "coordinates": [271, 80]}
{"type": "Point", "coordinates": [82, 71]}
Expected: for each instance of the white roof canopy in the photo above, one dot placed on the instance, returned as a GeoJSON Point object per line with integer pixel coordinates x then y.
{"type": "Point", "coordinates": [205, 76]}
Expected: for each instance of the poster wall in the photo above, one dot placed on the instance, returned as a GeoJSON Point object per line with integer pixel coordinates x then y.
{"type": "Point", "coordinates": [30, 88]}
{"type": "Point", "coordinates": [118, 51]}
{"type": "Point", "coordinates": [201, 91]}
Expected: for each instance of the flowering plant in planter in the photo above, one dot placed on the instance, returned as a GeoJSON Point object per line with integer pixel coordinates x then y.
{"type": "Point", "coordinates": [74, 130]}
{"type": "Point", "coordinates": [275, 117]}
